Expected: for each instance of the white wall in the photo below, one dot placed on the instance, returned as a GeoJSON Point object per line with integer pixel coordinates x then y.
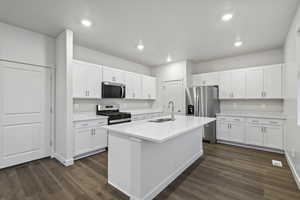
{"type": "Point", "coordinates": [89, 55]}
{"type": "Point", "coordinates": [20, 45]}
{"type": "Point", "coordinates": [273, 56]}
{"type": "Point", "coordinates": [64, 137]}
{"type": "Point", "coordinates": [291, 57]}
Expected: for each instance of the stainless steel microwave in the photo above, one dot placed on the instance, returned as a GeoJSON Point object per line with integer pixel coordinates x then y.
{"type": "Point", "coordinates": [113, 90]}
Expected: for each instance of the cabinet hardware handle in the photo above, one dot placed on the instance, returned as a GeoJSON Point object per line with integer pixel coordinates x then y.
{"type": "Point", "coordinates": [262, 94]}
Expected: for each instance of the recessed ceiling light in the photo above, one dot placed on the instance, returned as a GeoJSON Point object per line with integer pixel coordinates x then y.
{"type": "Point", "coordinates": [227, 17]}
{"type": "Point", "coordinates": [238, 43]}
{"type": "Point", "coordinates": [86, 22]}
{"type": "Point", "coordinates": [169, 59]}
{"type": "Point", "coordinates": [140, 46]}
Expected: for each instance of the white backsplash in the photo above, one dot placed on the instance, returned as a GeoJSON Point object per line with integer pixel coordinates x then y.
{"type": "Point", "coordinates": [252, 106]}
{"type": "Point", "coordinates": [87, 105]}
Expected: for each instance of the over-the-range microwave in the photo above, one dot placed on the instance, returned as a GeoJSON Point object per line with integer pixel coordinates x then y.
{"type": "Point", "coordinates": [113, 90]}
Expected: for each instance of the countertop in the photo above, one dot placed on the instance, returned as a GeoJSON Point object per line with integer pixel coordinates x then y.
{"type": "Point", "coordinates": [160, 132]}
{"type": "Point", "coordinates": [87, 116]}
{"type": "Point", "coordinates": [254, 115]}
{"type": "Point", "coordinates": [143, 111]}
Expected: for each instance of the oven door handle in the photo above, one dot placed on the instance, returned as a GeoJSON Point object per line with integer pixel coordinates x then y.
{"type": "Point", "coordinates": [122, 91]}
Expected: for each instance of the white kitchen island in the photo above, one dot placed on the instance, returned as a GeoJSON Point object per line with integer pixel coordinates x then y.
{"type": "Point", "coordinates": [145, 157]}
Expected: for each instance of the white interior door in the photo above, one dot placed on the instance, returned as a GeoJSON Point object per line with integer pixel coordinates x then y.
{"type": "Point", "coordinates": [24, 113]}
{"type": "Point", "coordinates": [174, 91]}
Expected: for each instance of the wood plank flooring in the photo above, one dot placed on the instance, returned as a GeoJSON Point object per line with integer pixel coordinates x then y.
{"type": "Point", "coordinates": [224, 172]}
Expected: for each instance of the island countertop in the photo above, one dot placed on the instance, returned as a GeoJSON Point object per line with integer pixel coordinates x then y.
{"type": "Point", "coordinates": [160, 132]}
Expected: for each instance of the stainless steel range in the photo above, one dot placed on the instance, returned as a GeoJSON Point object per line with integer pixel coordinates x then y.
{"type": "Point", "coordinates": [113, 114]}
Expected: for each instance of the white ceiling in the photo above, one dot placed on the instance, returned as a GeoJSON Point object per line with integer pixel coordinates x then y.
{"type": "Point", "coordinates": [185, 29]}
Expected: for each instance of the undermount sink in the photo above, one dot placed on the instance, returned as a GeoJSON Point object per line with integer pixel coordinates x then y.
{"type": "Point", "coordinates": [160, 120]}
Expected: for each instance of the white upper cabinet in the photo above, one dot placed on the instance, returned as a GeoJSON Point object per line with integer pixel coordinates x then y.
{"type": "Point", "coordinates": [273, 81]}
{"type": "Point", "coordinates": [86, 80]}
{"type": "Point", "coordinates": [238, 83]}
{"type": "Point", "coordinates": [133, 84]}
{"type": "Point", "coordinates": [232, 84]}
{"type": "Point", "coordinates": [225, 87]}
{"type": "Point", "coordinates": [254, 83]}
{"type": "Point", "coordinates": [148, 87]}
{"type": "Point", "coordinates": [264, 82]}
{"type": "Point", "coordinates": [113, 75]}
{"type": "Point", "coordinates": [206, 79]}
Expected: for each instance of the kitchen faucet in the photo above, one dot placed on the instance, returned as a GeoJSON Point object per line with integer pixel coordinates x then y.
{"type": "Point", "coordinates": [172, 111]}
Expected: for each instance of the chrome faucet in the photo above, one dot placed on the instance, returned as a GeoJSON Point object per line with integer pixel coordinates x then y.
{"type": "Point", "coordinates": [172, 111]}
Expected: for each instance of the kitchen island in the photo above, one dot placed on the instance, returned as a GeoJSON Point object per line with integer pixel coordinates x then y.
{"type": "Point", "coordinates": [145, 157]}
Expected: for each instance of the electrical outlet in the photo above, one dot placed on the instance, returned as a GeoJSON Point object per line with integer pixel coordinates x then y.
{"type": "Point", "coordinates": [276, 163]}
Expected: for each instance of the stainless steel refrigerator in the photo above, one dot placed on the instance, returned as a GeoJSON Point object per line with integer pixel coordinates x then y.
{"type": "Point", "coordinates": [203, 101]}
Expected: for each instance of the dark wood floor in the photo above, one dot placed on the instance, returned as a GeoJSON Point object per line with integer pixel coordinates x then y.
{"type": "Point", "coordinates": [224, 172]}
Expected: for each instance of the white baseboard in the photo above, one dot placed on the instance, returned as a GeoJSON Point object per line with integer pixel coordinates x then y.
{"type": "Point", "coordinates": [293, 169]}
{"type": "Point", "coordinates": [89, 154]}
{"type": "Point", "coordinates": [160, 187]}
{"type": "Point", "coordinates": [250, 146]}
{"type": "Point", "coordinates": [62, 160]}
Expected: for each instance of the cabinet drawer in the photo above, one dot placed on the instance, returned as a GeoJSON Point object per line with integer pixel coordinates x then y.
{"type": "Point", "coordinates": [230, 119]}
{"type": "Point", "coordinates": [269, 122]}
{"type": "Point", "coordinates": [272, 122]}
{"type": "Point", "coordinates": [93, 123]}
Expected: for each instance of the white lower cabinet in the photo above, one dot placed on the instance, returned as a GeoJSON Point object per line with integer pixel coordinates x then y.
{"type": "Point", "coordinates": [266, 133]}
{"type": "Point", "coordinates": [89, 136]}
{"type": "Point", "coordinates": [237, 132]}
{"type": "Point", "coordinates": [254, 135]}
{"type": "Point", "coordinates": [230, 129]}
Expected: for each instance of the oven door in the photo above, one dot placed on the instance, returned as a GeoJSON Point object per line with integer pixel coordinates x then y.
{"type": "Point", "coordinates": [113, 90]}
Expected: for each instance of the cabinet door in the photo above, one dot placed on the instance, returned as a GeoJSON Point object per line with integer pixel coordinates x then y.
{"type": "Point", "coordinates": [254, 135]}
{"type": "Point", "coordinates": [82, 140]}
{"type": "Point", "coordinates": [149, 87]}
{"type": "Point", "coordinates": [237, 132]}
{"type": "Point", "coordinates": [133, 84]}
{"type": "Point", "coordinates": [273, 137]}
{"type": "Point", "coordinates": [99, 138]}
{"type": "Point", "coordinates": [254, 83]}
{"type": "Point", "coordinates": [238, 84]}
{"type": "Point", "coordinates": [79, 80]}
{"type": "Point", "coordinates": [273, 81]}
{"type": "Point", "coordinates": [93, 78]}
{"type": "Point", "coordinates": [113, 75]}
{"type": "Point", "coordinates": [223, 131]}
{"type": "Point", "coordinates": [225, 85]}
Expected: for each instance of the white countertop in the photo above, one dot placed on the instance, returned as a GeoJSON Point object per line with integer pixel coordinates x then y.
{"type": "Point", "coordinates": [143, 111]}
{"type": "Point", "coordinates": [87, 116]}
{"type": "Point", "coordinates": [160, 132]}
{"type": "Point", "coordinates": [254, 115]}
